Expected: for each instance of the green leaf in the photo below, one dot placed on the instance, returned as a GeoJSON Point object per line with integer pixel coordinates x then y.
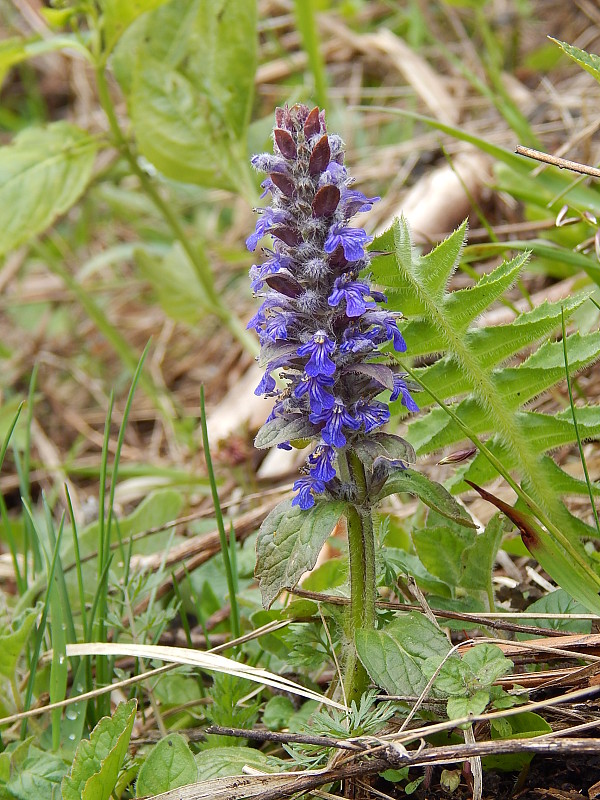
{"type": "Point", "coordinates": [399, 561]}
{"type": "Point", "coordinates": [440, 549]}
{"type": "Point", "coordinates": [431, 493]}
{"type": "Point", "coordinates": [521, 726]}
{"type": "Point", "coordinates": [42, 174]}
{"type": "Point", "coordinates": [437, 267]}
{"type": "Point", "coordinates": [487, 662]}
{"type": "Point", "coordinates": [396, 657]}
{"type": "Point", "coordinates": [289, 542]}
{"type": "Point", "coordinates": [14, 50]}
{"type": "Point", "coordinates": [277, 712]}
{"type": "Point", "coordinates": [219, 762]}
{"type": "Point", "coordinates": [99, 758]}
{"type": "Point", "coordinates": [490, 345]}
{"type": "Point", "coordinates": [478, 559]}
{"type": "Point", "coordinates": [558, 602]}
{"type": "Point", "coordinates": [13, 641]}
{"type": "Point", "coordinates": [589, 61]}
{"type": "Point", "coordinates": [169, 764]}
{"type": "Point", "coordinates": [475, 703]}
{"type": "Point", "coordinates": [187, 70]}
{"type": "Point", "coordinates": [284, 429]}
{"type": "Point", "coordinates": [34, 774]}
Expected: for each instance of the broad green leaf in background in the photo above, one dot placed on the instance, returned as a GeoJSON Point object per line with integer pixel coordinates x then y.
{"type": "Point", "coordinates": [169, 764]}
{"type": "Point", "coordinates": [289, 542]}
{"type": "Point", "coordinates": [187, 70]}
{"type": "Point", "coordinates": [558, 602]}
{"type": "Point", "coordinates": [98, 759]}
{"type": "Point", "coordinates": [176, 284]}
{"type": "Point", "coordinates": [118, 15]}
{"type": "Point", "coordinates": [219, 762]}
{"type": "Point", "coordinates": [440, 549]}
{"type": "Point", "coordinates": [34, 774]}
{"type": "Point", "coordinates": [521, 726]}
{"type": "Point", "coordinates": [42, 174]}
{"type": "Point", "coordinates": [14, 50]}
{"type": "Point", "coordinates": [396, 657]}
{"type": "Point", "coordinates": [277, 713]}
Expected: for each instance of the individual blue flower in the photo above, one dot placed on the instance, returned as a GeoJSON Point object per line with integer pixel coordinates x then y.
{"type": "Point", "coordinates": [335, 175]}
{"type": "Point", "coordinates": [307, 487]}
{"type": "Point", "coordinates": [335, 419]}
{"type": "Point", "coordinates": [267, 219]}
{"type": "Point", "coordinates": [385, 328]}
{"type": "Point", "coordinates": [401, 389]}
{"type": "Point", "coordinates": [353, 292]}
{"type": "Point", "coordinates": [267, 186]}
{"type": "Point", "coordinates": [372, 415]}
{"type": "Point", "coordinates": [317, 388]}
{"type": "Point", "coordinates": [319, 348]}
{"type": "Point", "coordinates": [355, 201]}
{"type": "Point", "coordinates": [354, 341]}
{"type": "Point", "coordinates": [352, 241]}
{"type": "Point", "coordinates": [276, 327]}
{"type": "Point", "coordinates": [266, 385]}
{"type": "Point", "coordinates": [321, 461]}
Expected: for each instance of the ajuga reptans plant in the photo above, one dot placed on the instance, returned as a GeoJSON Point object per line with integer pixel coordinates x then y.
{"type": "Point", "coordinates": [321, 324]}
{"type": "Point", "coordinates": [324, 331]}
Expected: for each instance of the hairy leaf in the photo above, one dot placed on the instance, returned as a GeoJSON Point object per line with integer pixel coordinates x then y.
{"type": "Point", "coordinates": [431, 493]}
{"type": "Point", "coordinates": [284, 429]}
{"type": "Point", "coordinates": [396, 657]}
{"type": "Point", "coordinates": [289, 542]}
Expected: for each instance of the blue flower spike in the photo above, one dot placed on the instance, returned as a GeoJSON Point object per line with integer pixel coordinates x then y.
{"type": "Point", "coordinates": [320, 317]}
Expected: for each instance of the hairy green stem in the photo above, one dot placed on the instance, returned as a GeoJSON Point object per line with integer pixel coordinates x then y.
{"type": "Point", "coordinates": [361, 546]}
{"type": "Point", "coordinates": [217, 305]}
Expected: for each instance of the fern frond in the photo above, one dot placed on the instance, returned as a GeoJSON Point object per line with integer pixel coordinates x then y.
{"type": "Point", "coordinates": [489, 397]}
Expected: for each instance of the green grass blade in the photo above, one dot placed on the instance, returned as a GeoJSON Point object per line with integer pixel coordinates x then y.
{"type": "Point", "coordinates": [43, 621]}
{"type": "Point", "coordinates": [21, 580]}
{"type": "Point", "coordinates": [78, 567]}
{"type": "Point", "coordinates": [308, 27]}
{"type": "Point", "coordinates": [576, 426]}
{"type": "Point", "coordinates": [235, 614]}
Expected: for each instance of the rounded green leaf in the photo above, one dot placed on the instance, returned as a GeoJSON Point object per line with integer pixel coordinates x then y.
{"type": "Point", "coordinates": [170, 764]}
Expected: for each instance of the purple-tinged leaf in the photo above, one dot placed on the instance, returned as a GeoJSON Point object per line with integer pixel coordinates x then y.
{"type": "Point", "coordinates": [326, 201]}
{"type": "Point", "coordinates": [378, 372]}
{"type": "Point", "coordinates": [319, 158]}
{"type": "Point", "coordinates": [283, 183]}
{"type": "Point", "coordinates": [312, 126]}
{"type": "Point", "coordinates": [285, 143]}
{"type": "Point", "coordinates": [289, 236]}
{"type": "Point", "coordinates": [284, 284]}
